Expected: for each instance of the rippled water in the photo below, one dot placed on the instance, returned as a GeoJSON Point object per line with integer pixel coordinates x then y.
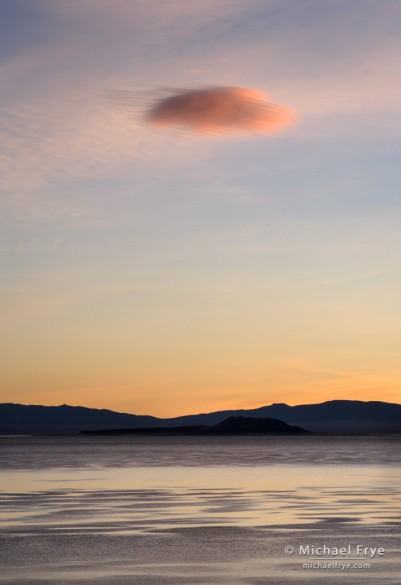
{"type": "Point", "coordinates": [152, 510]}
{"type": "Point", "coordinates": [125, 451]}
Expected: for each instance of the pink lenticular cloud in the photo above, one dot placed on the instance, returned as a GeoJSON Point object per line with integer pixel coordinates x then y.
{"type": "Point", "coordinates": [221, 109]}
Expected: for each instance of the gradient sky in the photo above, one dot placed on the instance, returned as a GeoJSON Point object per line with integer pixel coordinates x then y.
{"type": "Point", "coordinates": [160, 272]}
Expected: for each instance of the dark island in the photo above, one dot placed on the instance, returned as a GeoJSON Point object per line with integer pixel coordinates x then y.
{"type": "Point", "coordinates": [233, 425]}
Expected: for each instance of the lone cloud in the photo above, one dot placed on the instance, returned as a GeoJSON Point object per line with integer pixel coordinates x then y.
{"type": "Point", "coordinates": [221, 110]}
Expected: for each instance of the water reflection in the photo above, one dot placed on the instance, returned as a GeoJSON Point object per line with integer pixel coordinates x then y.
{"type": "Point", "coordinates": [111, 510]}
{"type": "Point", "coordinates": [160, 497]}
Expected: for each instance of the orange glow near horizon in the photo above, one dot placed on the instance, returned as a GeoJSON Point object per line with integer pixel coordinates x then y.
{"type": "Point", "coordinates": [240, 356]}
{"type": "Point", "coordinates": [171, 404]}
{"type": "Point", "coordinates": [153, 364]}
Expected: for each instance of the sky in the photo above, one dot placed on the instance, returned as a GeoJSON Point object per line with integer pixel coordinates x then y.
{"type": "Point", "coordinates": [157, 258]}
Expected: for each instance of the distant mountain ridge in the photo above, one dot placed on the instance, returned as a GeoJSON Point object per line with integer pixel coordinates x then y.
{"type": "Point", "coordinates": [335, 416]}
{"type": "Point", "coordinates": [21, 418]}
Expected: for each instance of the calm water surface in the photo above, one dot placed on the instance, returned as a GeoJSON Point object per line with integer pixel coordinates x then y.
{"type": "Point", "coordinates": [204, 510]}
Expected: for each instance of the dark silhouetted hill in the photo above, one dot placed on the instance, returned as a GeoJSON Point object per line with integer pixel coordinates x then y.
{"type": "Point", "coordinates": [239, 425]}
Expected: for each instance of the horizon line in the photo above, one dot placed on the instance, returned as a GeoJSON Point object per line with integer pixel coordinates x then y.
{"type": "Point", "coordinates": [201, 413]}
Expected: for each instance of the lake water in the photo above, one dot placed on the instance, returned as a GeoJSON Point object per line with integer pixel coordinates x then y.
{"type": "Point", "coordinates": [200, 510]}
